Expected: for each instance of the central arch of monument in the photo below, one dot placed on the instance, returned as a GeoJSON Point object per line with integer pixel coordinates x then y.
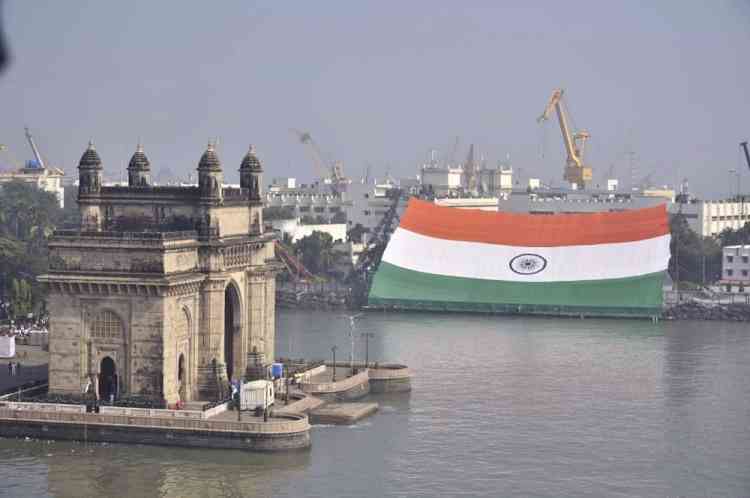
{"type": "Point", "coordinates": [233, 351]}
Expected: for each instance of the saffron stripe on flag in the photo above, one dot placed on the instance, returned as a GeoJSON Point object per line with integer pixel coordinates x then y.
{"type": "Point", "coordinates": [533, 230]}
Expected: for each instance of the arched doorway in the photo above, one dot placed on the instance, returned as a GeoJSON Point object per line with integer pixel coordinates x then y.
{"type": "Point", "coordinates": [181, 377]}
{"type": "Point", "coordinates": [232, 331]}
{"type": "Point", "coordinates": [107, 379]}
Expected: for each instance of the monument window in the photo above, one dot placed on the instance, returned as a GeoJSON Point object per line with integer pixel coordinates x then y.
{"type": "Point", "coordinates": [106, 325]}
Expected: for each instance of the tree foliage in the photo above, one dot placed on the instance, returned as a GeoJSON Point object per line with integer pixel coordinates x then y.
{"type": "Point", "coordinates": [316, 252]}
{"type": "Point", "coordinates": [339, 217]}
{"type": "Point", "coordinates": [28, 216]}
{"type": "Point", "coordinates": [693, 258]}
{"type": "Point", "coordinates": [356, 233]}
{"type": "Point", "coordinates": [278, 213]}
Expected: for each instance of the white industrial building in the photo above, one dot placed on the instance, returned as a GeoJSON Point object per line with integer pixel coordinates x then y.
{"type": "Point", "coordinates": [313, 200]}
{"type": "Point", "coordinates": [47, 179]}
{"type": "Point", "coordinates": [35, 172]}
{"type": "Point", "coordinates": [735, 268]}
{"type": "Point", "coordinates": [370, 202]}
{"type": "Point", "coordinates": [536, 200]}
{"type": "Point", "coordinates": [710, 218]}
{"type": "Point", "coordinates": [443, 181]}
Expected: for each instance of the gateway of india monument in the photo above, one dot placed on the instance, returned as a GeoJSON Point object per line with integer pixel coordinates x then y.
{"type": "Point", "coordinates": [165, 292]}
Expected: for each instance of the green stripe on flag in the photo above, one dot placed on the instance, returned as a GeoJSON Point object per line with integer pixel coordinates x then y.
{"type": "Point", "coordinates": [397, 287]}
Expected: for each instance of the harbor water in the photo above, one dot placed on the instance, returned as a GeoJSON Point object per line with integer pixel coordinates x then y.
{"type": "Point", "coordinates": [501, 406]}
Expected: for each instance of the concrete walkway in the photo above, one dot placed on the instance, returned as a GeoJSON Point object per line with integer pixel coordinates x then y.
{"type": "Point", "coordinates": [33, 367]}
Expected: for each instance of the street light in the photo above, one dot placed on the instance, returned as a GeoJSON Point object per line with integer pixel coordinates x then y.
{"type": "Point", "coordinates": [736, 173]}
{"type": "Point", "coordinates": [739, 199]}
{"type": "Point", "coordinates": [333, 350]}
{"type": "Point", "coordinates": [367, 336]}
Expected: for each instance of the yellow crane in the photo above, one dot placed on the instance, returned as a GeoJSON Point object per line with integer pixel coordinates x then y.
{"type": "Point", "coordinates": [576, 172]}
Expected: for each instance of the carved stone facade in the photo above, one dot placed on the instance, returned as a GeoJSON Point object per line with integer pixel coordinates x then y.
{"type": "Point", "coordinates": [161, 291]}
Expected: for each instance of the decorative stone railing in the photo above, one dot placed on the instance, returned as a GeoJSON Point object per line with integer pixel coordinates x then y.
{"type": "Point", "coordinates": [171, 190]}
{"type": "Point", "coordinates": [43, 407]}
{"type": "Point", "coordinates": [338, 386]}
{"type": "Point", "coordinates": [309, 374]}
{"type": "Point", "coordinates": [231, 193]}
{"type": "Point", "coordinates": [174, 235]}
{"type": "Point", "coordinates": [117, 410]}
{"type": "Point", "coordinates": [384, 372]}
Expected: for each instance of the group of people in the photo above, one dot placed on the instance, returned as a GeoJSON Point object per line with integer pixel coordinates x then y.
{"type": "Point", "coordinates": [14, 368]}
{"type": "Point", "coordinates": [24, 328]}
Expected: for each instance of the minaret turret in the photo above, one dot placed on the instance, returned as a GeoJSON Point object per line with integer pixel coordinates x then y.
{"type": "Point", "coordinates": [210, 177]}
{"type": "Point", "coordinates": [251, 177]}
{"type": "Point", "coordinates": [89, 188]}
{"type": "Point", "coordinates": [139, 169]}
{"type": "Point", "coordinates": [251, 173]}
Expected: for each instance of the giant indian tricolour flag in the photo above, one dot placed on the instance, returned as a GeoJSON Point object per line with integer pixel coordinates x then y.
{"type": "Point", "coordinates": [603, 263]}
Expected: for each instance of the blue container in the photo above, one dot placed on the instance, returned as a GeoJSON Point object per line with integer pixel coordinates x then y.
{"type": "Point", "coordinates": [277, 370]}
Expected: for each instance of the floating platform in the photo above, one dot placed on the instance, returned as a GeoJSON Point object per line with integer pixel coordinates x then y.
{"type": "Point", "coordinates": [299, 403]}
{"type": "Point", "coordinates": [342, 413]}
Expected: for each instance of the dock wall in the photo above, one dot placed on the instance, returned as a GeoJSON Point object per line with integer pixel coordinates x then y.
{"type": "Point", "coordinates": [287, 432]}
{"type": "Point", "coordinates": [390, 379]}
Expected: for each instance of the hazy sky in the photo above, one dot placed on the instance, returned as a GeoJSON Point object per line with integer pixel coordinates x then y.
{"type": "Point", "coordinates": [383, 82]}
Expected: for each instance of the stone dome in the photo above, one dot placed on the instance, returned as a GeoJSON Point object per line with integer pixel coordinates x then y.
{"type": "Point", "coordinates": [251, 161]}
{"type": "Point", "coordinates": [90, 159]}
{"type": "Point", "coordinates": [209, 159]}
{"type": "Point", "coordinates": [139, 161]}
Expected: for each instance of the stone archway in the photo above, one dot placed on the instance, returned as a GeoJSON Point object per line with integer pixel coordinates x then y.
{"type": "Point", "coordinates": [107, 379]}
{"type": "Point", "coordinates": [232, 332]}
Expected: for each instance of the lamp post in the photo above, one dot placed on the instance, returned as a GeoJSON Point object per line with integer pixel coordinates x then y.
{"type": "Point", "coordinates": [738, 197]}
{"type": "Point", "coordinates": [367, 336]}
{"type": "Point", "coordinates": [265, 398]}
{"type": "Point", "coordinates": [333, 350]}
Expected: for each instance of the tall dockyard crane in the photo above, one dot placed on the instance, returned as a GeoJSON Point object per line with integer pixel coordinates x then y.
{"type": "Point", "coordinates": [576, 172]}
{"type": "Point", "coordinates": [37, 155]}
{"type": "Point", "coordinates": [335, 173]}
{"type": "Point", "coordinates": [747, 154]}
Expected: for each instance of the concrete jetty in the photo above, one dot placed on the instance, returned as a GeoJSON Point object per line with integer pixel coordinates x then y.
{"type": "Point", "coordinates": [159, 427]}
{"type": "Point", "coordinates": [342, 413]}
{"type": "Point", "coordinates": [300, 403]}
{"type": "Point", "coordinates": [320, 411]}
{"type": "Point", "coordinates": [355, 380]}
{"type": "Point", "coordinates": [389, 378]}
{"type": "Point", "coordinates": [326, 398]}
{"type": "Point", "coordinates": [346, 386]}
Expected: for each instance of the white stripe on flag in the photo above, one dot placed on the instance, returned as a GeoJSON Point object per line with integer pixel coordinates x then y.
{"type": "Point", "coordinates": [421, 253]}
